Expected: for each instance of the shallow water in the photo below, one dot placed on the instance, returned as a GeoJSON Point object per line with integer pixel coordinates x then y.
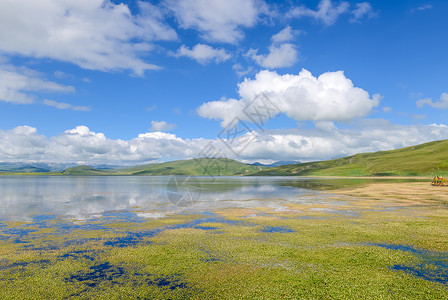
{"type": "Point", "coordinates": [36, 198]}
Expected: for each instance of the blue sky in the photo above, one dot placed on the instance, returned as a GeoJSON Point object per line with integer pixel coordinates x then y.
{"type": "Point", "coordinates": [140, 81]}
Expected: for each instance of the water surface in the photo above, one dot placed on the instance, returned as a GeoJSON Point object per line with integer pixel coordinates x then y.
{"type": "Point", "coordinates": [33, 198]}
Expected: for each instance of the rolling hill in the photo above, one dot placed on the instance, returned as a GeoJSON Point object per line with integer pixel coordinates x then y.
{"type": "Point", "coordinates": [85, 170]}
{"type": "Point", "coordinates": [427, 159]}
{"type": "Point", "coordinates": [201, 166]}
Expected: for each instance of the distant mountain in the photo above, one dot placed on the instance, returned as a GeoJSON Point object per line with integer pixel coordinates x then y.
{"type": "Point", "coordinates": [427, 159]}
{"type": "Point", "coordinates": [199, 167]}
{"type": "Point", "coordinates": [277, 163]}
{"type": "Point", "coordinates": [20, 167]}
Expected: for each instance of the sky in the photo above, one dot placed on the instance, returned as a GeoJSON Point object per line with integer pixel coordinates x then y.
{"type": "Point", "coordinates": [132, 82]}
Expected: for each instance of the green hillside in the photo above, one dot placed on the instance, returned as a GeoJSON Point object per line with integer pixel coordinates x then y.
{"type": "Point", "coordinates": [422, 160]}
{"type": "Point", "coordinates": [201, 166]}
{"type": "Point", "coordinates": [84, 170]}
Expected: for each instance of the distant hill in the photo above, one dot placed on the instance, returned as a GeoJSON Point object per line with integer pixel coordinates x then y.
{"type": "Point", "coordinates": [277, 163]}
{"type": "Point", "coordinates": [28, 167]}
{"type": "Point", "coordinates": [84, 170]}
{"type": "Point", "coordinates": [201, 166]}
{"type": "Point", "coordinates": [422, 160]}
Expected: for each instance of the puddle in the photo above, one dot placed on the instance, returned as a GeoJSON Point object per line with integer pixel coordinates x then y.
{"type": "Point", "coordinates": [80, 254]}
{"type": "Point", "coordinates": [133, 238]}
{"type": "Point", "coordinates": [434, 265]}
{"type": "Point", "coordinates": [98, 273]}
{"type": "Point", "coordinates": [171, 282]}
{"type": "Point", "coordinates": [23, 264]}
{"type": "Point", "coordinates": [106, 272]}
{"type": "Point", "coordinates": [277, 229]}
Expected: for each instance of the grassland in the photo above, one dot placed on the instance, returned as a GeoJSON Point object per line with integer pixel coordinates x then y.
{"type": "Point", "coordinates": [380, 241]}
{"type": "Point", "coordinates": [428, 159]}
{"type": "Point", "coordinates": [191, 167]}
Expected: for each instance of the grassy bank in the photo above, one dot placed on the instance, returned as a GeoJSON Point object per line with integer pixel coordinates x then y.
{"type": "Point", "coordinates": [427, 160]}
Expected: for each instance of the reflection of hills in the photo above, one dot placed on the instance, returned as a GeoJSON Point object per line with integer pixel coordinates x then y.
{"type": "Point", "coordinates": [22, 197]}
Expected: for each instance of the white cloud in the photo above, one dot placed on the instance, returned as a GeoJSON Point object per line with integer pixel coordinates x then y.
{"type": "Point", "coordinates": [361, 10]}
{"type": "Point", "coordinates": [21, 143]}
{"type": "Point", "coordinates": [282, 56]}
{"type": "Point", "coordinates": [151, 108]}
{"type": "Point", "coordinates": [286, 35]}
{"type": "Point", "coordinates": [422, 7]}
{"type": "Point", "coordinates": [63, 105]}
{"type": "Point", "coordinates": [93, 34]}
{"type": "Point", "coordinates": [441, 104]}
{"type": "Point", "coordinates": [302, 97]}
{"type": "Point", "coordinates": [18, 85]}
{"type": "Point", "coordinates": [387, 109]}
{"type": "Point", "coordinates": [326, 12]}
{"type": "Point", "coordinates": [162, 126]}
{"type": "Point", "coordinates": [81, 145]}
{"type": "Point", "coordinates": [203, 54]}
{"type": "Point", "coordinates": [58, 105]}
{"type": "Point", "coordinates": [217, 20]}
{"type": "Point", "coordinates": [439, 125]}
{"type": "Point", "coordinates": [240, 70]}
{"type": "Point", "coordinates": [322, 144]}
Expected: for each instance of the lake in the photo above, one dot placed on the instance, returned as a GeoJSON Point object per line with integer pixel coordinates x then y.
{"type": "Point", "coordinates": [24, 198]}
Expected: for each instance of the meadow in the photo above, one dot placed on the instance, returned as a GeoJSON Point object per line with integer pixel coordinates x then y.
{"type": "Point", "coordinates": [374, 241]}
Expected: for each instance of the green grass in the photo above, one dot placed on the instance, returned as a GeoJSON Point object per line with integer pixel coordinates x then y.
{"type": "Point", "coordinates": [422, 160]}
{"type": "Point", "coordinates": [198, 167]}
{"type": "Point", "coordinates": [84, 170]}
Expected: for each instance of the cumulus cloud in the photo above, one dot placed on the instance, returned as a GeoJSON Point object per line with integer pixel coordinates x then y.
{"type": "Point", "coordinates": [93, 34]}
{"type": "Point", "coordinates": [281, 56]}
{"type": "Point", "coordinates": [162, 126]}
{"type": "Point", "coordinates": [21, 143]}
{"type": "Point", "coordinates": [325, 141]}
{"type": "Point", "coordinates": [63, 105]}
{"type": "Point", "coordinates": [441, 104]}
{"type": "Point", "coordinates": [285, 35]}
{"type": "Point", "coordinates": [326, 12]}
{"type": "Point", "coordinates": [361, 10]}
{"type": "Point", "coordinates": [302, 97]}
{"type": "Point", "coordinates": [203, 54]}
{"type": "Point", "coordinates": [18, 85]}
{"type": "Point", "coordinates": [330, 142]}
{"type": "Point", "coordinates": [83, 145]}
{"type": "Point", "coordinates": [217, 20]}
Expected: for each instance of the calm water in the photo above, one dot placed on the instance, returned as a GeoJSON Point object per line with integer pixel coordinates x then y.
{"type": "Point", "coordinates": [29, 197]}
